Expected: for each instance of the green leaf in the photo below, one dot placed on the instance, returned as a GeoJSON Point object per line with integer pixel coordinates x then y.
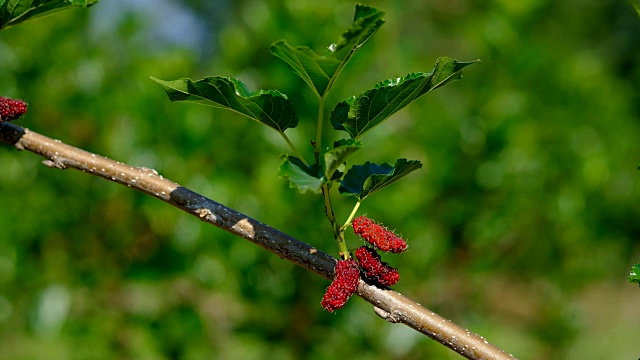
{"type": "Point", "coordinates": [333, 159]}
{"type": "Point", "coordinates": [311, 178]}
{"type": "Point", "coordinates": [634, 275]}
{"type": "Point", "coordinates": [301, 176]}
{"type": "Point", "coordinates": [13, 12]}
{"type": "Point", "coordinates": [363, 180]}
{"type": "Point", "coordinates": [321, 71]}
{"type": "Point", "coordinates": [361, 113]}
{"type": "Point", "coordinates": [636, 5]}
{"type": "Point", "coordinates": [269, 107]}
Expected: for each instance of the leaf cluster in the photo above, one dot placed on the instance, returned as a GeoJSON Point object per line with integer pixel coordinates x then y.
{"type": "Point", "coordinates": [356, 115]}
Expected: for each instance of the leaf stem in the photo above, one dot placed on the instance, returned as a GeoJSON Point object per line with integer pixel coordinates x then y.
{"type": "Point", "coordinates": [293, 147]}
{"type": "Point", "coordinates": [351, 216]}
{"type": "Point", "coordinates": [318, 143]}
{"type": "Point", "coordinates": [338, 232]}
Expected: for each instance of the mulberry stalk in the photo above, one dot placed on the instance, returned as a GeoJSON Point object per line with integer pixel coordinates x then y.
{"type": "Point", "coordinates": [377, 235]}
{"type": "Point", "coordinates": [11, 109]}
{"type": "Point", "coordinates": [374, 269]}
{"type": "Point", "coordinates": [345, 283]}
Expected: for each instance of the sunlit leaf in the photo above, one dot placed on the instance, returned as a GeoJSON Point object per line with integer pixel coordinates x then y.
{"type": "Point", "coordinates": [269, 107]}
{"type": "Point", "coordinates": [334, 158]}
{"type": "Point", "coordinates": [636, 5]}
{"type": "Point", "coordinates": [301, 176]}
{"type": "Point", "coordinates": [321, 71]}
{"type": "Point", "coordinates": [13, 12]}
{"type": "Point", "coordinates": [363, 180]}
{"type": "Point", "coordinates": [361, 113]}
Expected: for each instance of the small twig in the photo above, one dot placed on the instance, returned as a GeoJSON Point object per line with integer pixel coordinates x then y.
{"type": "Point", "coordinates": [388, 304]}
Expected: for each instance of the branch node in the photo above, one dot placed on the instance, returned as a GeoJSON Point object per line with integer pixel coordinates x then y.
{"type": "Point", "coordinates": [204, 214]}
{"type": "Point", "coordinates": [57, 163]}
{"type": "Point", "coordinates": [390, 317]}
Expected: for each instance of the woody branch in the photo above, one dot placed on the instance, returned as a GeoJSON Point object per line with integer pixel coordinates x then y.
{"type": "Point", "coordinates": [388, 304]}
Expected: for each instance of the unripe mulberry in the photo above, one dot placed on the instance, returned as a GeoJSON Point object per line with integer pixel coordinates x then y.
{"type": "Point", "coordinates": [378, 235]}
{"type": "Point", "coordinates": [374, 269]}
{"type": "Point", "coordinates": [345, 283]}
{"type": "Point", "coordinates": [11, 109]}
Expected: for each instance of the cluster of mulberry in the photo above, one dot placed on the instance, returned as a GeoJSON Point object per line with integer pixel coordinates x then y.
{"type": "Point", "coordinates": [345, 283]}
{"type": "Point", "coordinates": [378, 236]}
{"type": "Point", "coordinates": [374, 270]}
{"type": "Point", "coordinates": [11, 109]}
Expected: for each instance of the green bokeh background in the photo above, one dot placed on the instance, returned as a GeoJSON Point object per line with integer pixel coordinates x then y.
{"type": "Point", "coordinates": [523, 223]}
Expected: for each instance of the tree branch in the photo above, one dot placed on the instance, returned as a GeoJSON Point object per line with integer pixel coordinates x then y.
{"type": "Point", "coordinates": [388, 304]}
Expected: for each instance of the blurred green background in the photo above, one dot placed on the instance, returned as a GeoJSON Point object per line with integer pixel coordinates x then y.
{"type": "Point", "coordinates": [523, 223]}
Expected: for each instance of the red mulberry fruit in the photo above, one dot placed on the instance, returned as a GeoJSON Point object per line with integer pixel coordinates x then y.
{"type": "Point", "coordinates": [378, 235]}
{"type": "Point", "coordinates": [374, 269]}
{"type": "Point", "coordinates": [345, 283]}
{"type": "Point", "coordinates": [11, 109]}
